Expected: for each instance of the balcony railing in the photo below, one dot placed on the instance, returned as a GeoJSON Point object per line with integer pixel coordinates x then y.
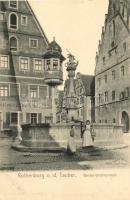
{"type": "Point", "coordinates": [53, 76]}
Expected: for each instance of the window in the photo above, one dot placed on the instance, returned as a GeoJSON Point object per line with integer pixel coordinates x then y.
{"type": "Point", "coordinates": [48, 65]}
{"type": "Point", "coordinates": [55, 64]}
{"type": "Point", "coordinates": [4, 91]}
{"type": "Point", "coordinates": [13, 4]}
{"type": "Point", "coordinates": [13, 21]}
{"type": "Point", "coordinates": [122, 71]}
{"type": "Point", "coordinates": [34, 118]}
{"type": "Point", "coordinates": [99, 81]}
{"type": "Point", "coordinates": [33, 43]}
{"type": "Point", "coordinates": [113, 75]}
{"type": "Point", "coordinates": [114, 120]}
{"type": "Point", "coordinates": [106, 121]}
{"type": "Point", "coordinates": [100, 98]}
{"type": "Point", "coordinates": [127, 92]}
{"type": "Point", "coordinates": [24, 63]}
{"type": "Point", "coordinates": [4, 63]}
{"type": "Point", "coordinates": [113, 95]}
{"type": "Point", "coordinates": [33, 92]}
{"type": "Point", "coordinates": [106, 96]}
{"type": "Point", "coordinates": [104, 60]}
{"type": "Point", "coordinates": [122, 95]}
{"type": "Point", "coordinates": [1, 16]}
{"type": "Point", "coordinates": [14, 118]}
{"type": "Point", "coordinates": [13, 44]}
{"type": "Point", "coordinates": [124, 46]}
{"type": "Point", "coordinates": [38, 64]}
{"type": "Point", "coordinates": [105, 78]}
{"type": "Point", "coordinates": [48, 120]}
{"type": "Point", "coordinates": [24, 20]}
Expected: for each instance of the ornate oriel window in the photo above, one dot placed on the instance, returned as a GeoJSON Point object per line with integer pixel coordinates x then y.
{"type": "Point", "coordinates": [48, 65]}
{"type": "Point", "coordinates": [55, 64]}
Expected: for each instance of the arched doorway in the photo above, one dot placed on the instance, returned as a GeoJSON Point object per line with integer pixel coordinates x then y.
{"type": "Point", "coordinates": [125, 122]}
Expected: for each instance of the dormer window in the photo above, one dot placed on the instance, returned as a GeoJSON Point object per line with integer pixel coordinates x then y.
{"type": "Point", "coordinates": [13, 44]}
{"type": "Point", "coordinates": [13, 4]}
{"type": "Point", "coordinates": [13, 21]}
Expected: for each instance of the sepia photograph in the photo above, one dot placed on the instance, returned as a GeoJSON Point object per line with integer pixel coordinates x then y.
{"type": "Point", "coordinates": [64, 85]}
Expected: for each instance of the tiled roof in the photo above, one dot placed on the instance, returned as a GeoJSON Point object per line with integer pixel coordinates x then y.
{"type": "Point", "coordinates": [89, 84]}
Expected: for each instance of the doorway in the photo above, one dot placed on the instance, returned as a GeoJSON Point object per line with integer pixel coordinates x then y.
{"type": "Point", "coordinates": [125, 122]}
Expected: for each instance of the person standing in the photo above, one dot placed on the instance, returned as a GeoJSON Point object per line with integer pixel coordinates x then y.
{"type": "Point", "coordinates": [71, 146]}
{"type": "Point", "coordinates": [87, 138]}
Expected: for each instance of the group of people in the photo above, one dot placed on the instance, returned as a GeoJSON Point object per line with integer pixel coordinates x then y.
{"type": "Point", "coordinates": [87, 140]}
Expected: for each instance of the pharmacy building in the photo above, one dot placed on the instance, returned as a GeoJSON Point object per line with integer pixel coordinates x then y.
{"type": "Point", "coordinates": [30, 67]}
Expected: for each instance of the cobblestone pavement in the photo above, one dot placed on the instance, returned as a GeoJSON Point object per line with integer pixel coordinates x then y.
{"type": "Point", "coordinates": [93, 158]}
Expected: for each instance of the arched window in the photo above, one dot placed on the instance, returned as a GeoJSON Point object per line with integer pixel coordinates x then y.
{"type": "Point", "coordinates": [13, 44]}
{"type": "Point", "coordinates": [13, 21]}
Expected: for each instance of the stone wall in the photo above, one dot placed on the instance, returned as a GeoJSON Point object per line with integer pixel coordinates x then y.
{"type": "Point", "coordinates": [42, 135]}
{"type": "Point", "coordinates": [108, 135]}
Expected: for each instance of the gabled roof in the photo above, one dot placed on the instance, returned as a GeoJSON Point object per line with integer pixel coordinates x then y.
{"type": "Point", "coordinates": [89, 84]}
{"type": "Point", "coordinates": [37, 22]}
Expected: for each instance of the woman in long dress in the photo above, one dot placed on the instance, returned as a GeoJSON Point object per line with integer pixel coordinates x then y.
{"type": "Point", "coordinates": [71, 146]}
{"type": "Point", "coordinates": [87, 138]}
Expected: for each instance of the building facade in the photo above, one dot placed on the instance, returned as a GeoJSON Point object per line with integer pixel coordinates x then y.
{"type": "Point", "coordinates": [112, 73]}
{"type": "Point", "coordinates": [25, 96]}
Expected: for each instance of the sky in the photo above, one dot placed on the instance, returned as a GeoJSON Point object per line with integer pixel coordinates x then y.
{"type": "Point", "coordinates": [76, 25]}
